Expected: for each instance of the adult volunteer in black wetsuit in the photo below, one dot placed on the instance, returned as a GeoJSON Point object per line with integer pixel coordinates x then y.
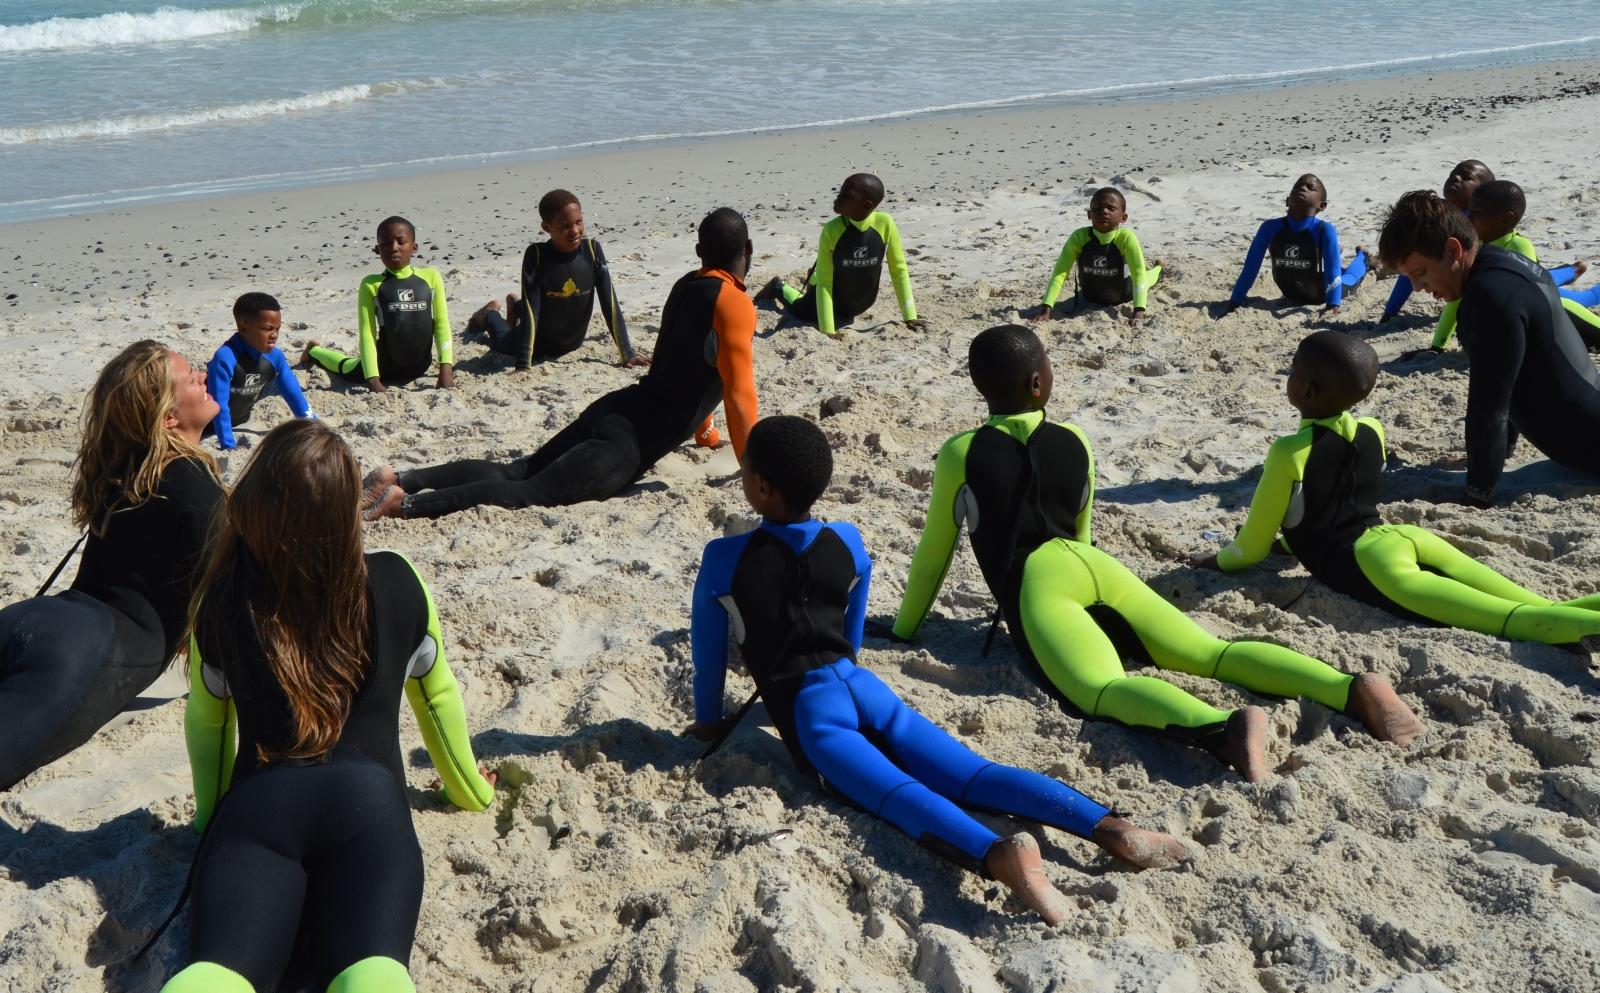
{"type": "Point", "coordinates": [1530, 373]}
{"type": "Point", "coordinates": [146, 492]}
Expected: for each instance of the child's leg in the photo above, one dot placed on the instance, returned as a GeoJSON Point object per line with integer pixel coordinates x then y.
{"type": "Point", "coordinates": [1356, 271]}
{"type": "Point", "coordinates": [337, 363]}
{"type": "Point", "coordinates": [501, 333]}
{"type": "Point", "coordinates": [1462, 592]}
{"type": "Point", "coordinates": [1563, 274]}
{"type": "Point", "coordinates": [803, 306]}
{"type": "Point", "coordinates": [1585, 298]}
{"type": "Point", "coordinates": [1590, 602]}
{"type": "Point", "coordinates": [1151, 276]}
{"type": "Point", "coordinates": [1081, 661]}
{"type": "Point", "coordinates": [1177, 642]}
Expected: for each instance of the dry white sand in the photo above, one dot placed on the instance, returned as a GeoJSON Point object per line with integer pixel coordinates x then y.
{"type": "Point", "coordinates": [611, 860]}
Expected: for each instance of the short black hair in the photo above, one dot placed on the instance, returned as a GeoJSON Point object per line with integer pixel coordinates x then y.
{"type": "Point", "coordinates": [555, 202]}
{"type": "Point", "coordinates": [723, 235]}
{"type": "Point", "coordinates": [397, 219]}
{"type": "Point", "coordinates": [251, 304]}
{"type": "Point", "coordinates": [1109, 191]}
{"type": "Point", "coordinates": [1002, 359]}
{"type": "Point", "coordinates": [867, 185]}
{"type": "Point", "coordinates": [793, 455]}
{"type": "Point", "coordinates": [1421, 222]}
{"type": "Point", "coordinates": [1473, 167]}
{"type": "Point", "coordinates": [1341, 365]}
{"type": "Point", "coordinates": [1500, 195]}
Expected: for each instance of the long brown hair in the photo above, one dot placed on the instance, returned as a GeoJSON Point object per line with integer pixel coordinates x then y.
{"type": "Point", "coordinates": [125, 444]}
{"type": "Point", "coordinates": [288, 552]}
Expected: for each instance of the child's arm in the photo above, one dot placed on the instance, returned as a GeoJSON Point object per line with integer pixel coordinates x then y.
{"type": "Point", "coordinates": [1085, 518]}
{"type": "Point", "coordinates": [1279, 473]}
{"type": "Point", "coordinates": [609, 307]}
{"type": "Point", "coordinates": [435, 698]}
{"type": "Point", "coordinates": [219, 383]}
{"type": "Point", "coordinates": [441, 329]}
{"type": "Point", "coordinates": [708, 629]}
{"type": "Point", "coordinates": [899, 272]}
{"type": "Point", "coordinates": [937, 546]}
{"type": "Point", "coordinates": [528, 332]}
{"type": "Point", "coordinates": [1252, 260]}
{"type": "Point", "coordinates": [822, 274]}
{"type": "Point", "coordinates": [733, 321]}
{"type": "Point", "coordinates": [855, 612]}
{"type": "Point", "coordinates": [367, 326]}
{"type": "Point", "coordinates": [1064, 264]}
{"type": "Point", "coordinates": [1397, 298]}
{"type": "Point", "coordinates": [1522, 246]}
{"type": "Point", "coordinates": [1446, 327]}
{"type": "Point", "coordinates": [210, 727]}
{"type": "Point", "coordinates": [288, 386]}
{"type": "Point", "coordinates": [1331, 262]}
{"type": "Point", "coordinates": [1133, 255]}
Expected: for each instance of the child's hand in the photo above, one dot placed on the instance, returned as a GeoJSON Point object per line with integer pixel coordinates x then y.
{"type": "Point", "coordinates": [1207, 561]}
{"type": "Point", "coordinates": [447, 378]}
{"type": "Point", "coordinates": [637, 362]}
{"type": "Point", "coordinates": [1330, 310]}
{"type": "Point", "coordinates": [437, 786]}
{"type": "Point", "coordinates": [706, 732]}
{"type": "Point", "coordinates": [917, 324]}
{"type": "Point", "coordinates": [1135, 317]}
{"type": "Point", "coordinates": [376, 385]}
{"type": "Point", "coordinates": [1227, 309]}
{"type": "Point", "coordinates": [1418, 353]}
{"type": "Point", "coordinates": [1041, 314]}
{"type": "Point", "coordinates": [885, 630]}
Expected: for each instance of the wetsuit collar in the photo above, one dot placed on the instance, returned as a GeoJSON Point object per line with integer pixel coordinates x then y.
{"type": "Point", "coordinates": [863, 224]}
{"type": "Point", "coordinates": [405, 273]}
{"type": "Point", "coordinates": [1342, 424]}
{"type": "Point", "coordinates": [1295, 225]}
{"type": "Point", "coordinates": [724, 275]}
{"type": "Point", "coordinates": [1018, 426]}
{"type": "Point", "coordinates": [798, 535]}
{"type": "Point", "coordinates": [1104, 239]}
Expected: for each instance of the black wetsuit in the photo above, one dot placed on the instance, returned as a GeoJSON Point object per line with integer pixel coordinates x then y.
{"type": "Point", "coordinates": [1530, 372]}
{"type": "Point", "coordinates": [71, 662]}
{"type": "Point", "coordinates": [559, 291]}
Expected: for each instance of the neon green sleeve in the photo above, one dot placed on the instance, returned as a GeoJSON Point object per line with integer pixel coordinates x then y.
{"type": "Point", "coordinates": [899, 272]}
{"type": "Point", "coordinates": [441, 317]}
{"type": "Point", "coordinates": [1377, 426]}
{"type": "Point", "coordinates": [822, 275]}
{"type": "Point", "coordinates": [1086, 515]}
{"type": "Point", "coordinates": [436, 700]}
{"type": "Point", "coordinates": [1515, 242]}
{"type": "Point", "coordinates": [937, 546]}
{"type": "Point", "coordinates": [1446, 328]}
{"type": "Point", "coordinates": [367, 324]}
{"type": "Point", "coordinates": [1284, 467]}
{"type": "Point", "coordinates": [210, 728]}
{"type": "Point", "coordinates": [1064, 264]}
{"type": "Point", "coordinates": [1133, 255]}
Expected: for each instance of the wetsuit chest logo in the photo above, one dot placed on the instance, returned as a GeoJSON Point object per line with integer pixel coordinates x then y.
{"type": "Point", "coordinates": [1101, 265]}
{"type": "Point", "coordinates": [1289, 257]}
{"type": "Point", "coordinates": [249, 387]}
{"type": "Point", "coordinates": [405, 301]}
{"type": "Point", "coordinates": [568, 289]}
{"type": "Point", "coordinates": [861, 258]}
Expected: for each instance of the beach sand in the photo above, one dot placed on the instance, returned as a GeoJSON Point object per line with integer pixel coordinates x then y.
{"type": "Point", "coordinates": [612, 860]}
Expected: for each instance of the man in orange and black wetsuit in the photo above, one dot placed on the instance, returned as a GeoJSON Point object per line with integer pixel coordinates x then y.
{"type": "Point", "coordinates": [703, 357]}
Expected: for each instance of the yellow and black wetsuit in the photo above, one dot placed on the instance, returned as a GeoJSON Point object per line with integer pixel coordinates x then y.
{"type": "Point", "coordinates": [402, 318]}
{"type": "Point", "coordinates": [1319, 488]}
{"type": "Point", "coordinates": [1111, 268]}
{"type": "Point", "coordinates": [844, 282]}
{"type": "Point", "coordinates": [559, 292]}
{"type": "Point", "coordinates": [1024, 488]}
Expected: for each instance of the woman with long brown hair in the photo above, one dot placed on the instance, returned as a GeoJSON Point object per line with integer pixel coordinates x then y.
{"type": "Point", "coordinates": [145, 493]}
{"type": "Point", "coordinates": [301, 645]}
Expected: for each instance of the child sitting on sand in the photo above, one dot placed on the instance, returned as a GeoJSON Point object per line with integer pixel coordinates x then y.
{"type": "Point", "coordinates": [249, 366]}
{"type": "Point", "coordinates": [795, 590]}
{"type": "Point", "coordinates": [1305, 253]}
{"type": "Point", "coordinates": [843, 283]}
{"type": "Point", "coordinates": [401, 316]}
{"type": "Point", "coordinates": [1319, 489]}
{"type": "Point", "coordinates": [1113, 271]}
{"type": "Point", "coordinates": [562, 278]}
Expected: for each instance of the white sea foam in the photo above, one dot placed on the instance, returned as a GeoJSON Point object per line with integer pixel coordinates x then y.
{"type": "Point", "coordinates": [121, 28]}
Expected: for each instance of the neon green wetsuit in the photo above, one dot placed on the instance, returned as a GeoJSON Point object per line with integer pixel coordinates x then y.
{"type": "Point", "coordinates": [1580, 315]}
{"type": "Point", "coordinates": [402, 317]}
{"type": "Point", "coordinates": [844, 282]}
{"type": "Point", "coordinates": [1110, 273]}
{"type": "Point", "coordinates": [1320, 486]}
{"type": "Point", "coordinates": [1024, 488]}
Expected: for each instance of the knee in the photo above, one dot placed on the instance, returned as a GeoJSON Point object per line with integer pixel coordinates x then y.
{"type": "Point", "coordinates": [377, 974]}
{"type": "Point", "coordinates": [208, 977]}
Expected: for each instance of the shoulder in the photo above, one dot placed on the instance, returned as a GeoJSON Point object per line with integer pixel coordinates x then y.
{"type": "Point", "coordinates": [429, 275]}
{"type": "Point", "coordinates": [223, 357]}
{"type": "Point", "coordinates": [372, 281]}
{"type": "Point", "coordinates": [734, 301]}
{"type": "Point", "coordinates": [1076, 431]}
{"type": "Point", "coordinates": [882, 220]}
{"type": "Point", "coordinates": [850, 535]}
{"type": "Point", "coordinates": [721, 554]}
{"type": "Point", "coordinates": [1080, 236]}
{"type": "Point", "coordinates": [1269, 227]}
{"type": "Point", "coordinates": [1372, 424]}
{"type": "Point", "coordinates": [953, 453]}
{"type": "Point", "coordinates": [392, 575]}
{"type": "Point", "coordinates": [277, 358]}
{"type": "Point", "coordinates": [1124, 235]}
{"type": "Point", "coordinates": [595, 249]}
{"type": "Point", "coordinates": [190, 482]}
{"type": "Point", "coordinates": [1291, 445]}
{"type": "Point", "coordinates": [835, 227]}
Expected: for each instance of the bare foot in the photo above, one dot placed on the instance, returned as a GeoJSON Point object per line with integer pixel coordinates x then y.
{"type": "Point", "coordinates": [1375, 704]}
{"type": "Point", "coordinates": [1579, 268]}
{"type": "Point", "coordinates": [476, 321]}
{"type": "Point", "coordinates": [1245, 747]}
{"type": "Point", "coordinates": [1138, 846]}
{"type": "Point", "coordinates": [304, 361]}
{"type": "Point", "coordinates": [391, 503]}
{"type": "Point", "coordinates": [1159, 264]}
{"type": "Point", "coordinates": [375, 483]}
{"type": "Point", "coordinates": [769, 291]}
{"type": "Point", "coordinates": [1015, 862]}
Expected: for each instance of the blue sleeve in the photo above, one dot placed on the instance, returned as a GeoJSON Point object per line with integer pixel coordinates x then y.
{"type": "Point", "coordinates": [288, 386]}
{"type": "Point", "coordinates": [708, 625]}
{"type": "Point", "coordinates": [1330, 265]}
{"type": "Point", "coordinates": [219, 381]}
{"type": "Point", "coordinates": [1397, 298]}
{"type": "Point", "coordinates": [855, 615]}
{"type": "Point", "coordinates": [1252, 260]}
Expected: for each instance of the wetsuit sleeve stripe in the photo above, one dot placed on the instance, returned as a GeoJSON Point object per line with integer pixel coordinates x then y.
{"type": "Point", "coordinates": [219, 381]}
{"type": "Point", "coordinates": [937, 546]}
{"type": "Point", "coordinates": [1284, 466]}
{"type": "Point", "coordinates": [855, 614]}
{"type": "Point", "coordinates": [822, 275]}
{"type": "Point", "coordinates": [1332, 275]}
{"type": "Point", "coordinates": [1252, 260]}
{"type": "Point", "coordinates": [1085, 519]}
{"type": "Point", "coordinates": [1133, 255]}
{"type": "Point", "coordinates": [209, 732]}
{"type": "Point", "coordinates": [367, 324]}
{"type": "Point", "coordinates": [1494, 363]}
{"type": "Point", "coordinates": [734, 322]}
{"type": "Point", "coordinates": [1064, 263]}
{"type": "Point", "coordinates": [708, 625]}
{"type": "Point", "coordinates": [287, 385]}
{"type": "Point", "coordinates": [442, 717]}
{"type": "Point", "coordinates": [899, 272]}
{"type": "Point", "coordinates": [609, 308]}
{"type": "Point", "coordinates": [441, 318]}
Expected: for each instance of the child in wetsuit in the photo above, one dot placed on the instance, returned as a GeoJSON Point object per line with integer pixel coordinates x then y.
{"type": "Point", "coordinates": [1024, 488]}
{"type": "Point", "coordinates": [1305, 253]}
{"type": "Point", "coordinates": [562, 279]}
{"type": "Point", "coordinates": [249, 366]}
{"type": "Point", "coordinates": [850, 255]}
{"type": "Point", "coordinates": [401, 317]}
{"type": "Point", "coordinates": [1468, 175]}
{"type": "Point", "coordinates": [1319, 490]}
{"type": "Point", "coordinates": [1110, 263]}
{"type": "Point", "coordinates": [795, 590]}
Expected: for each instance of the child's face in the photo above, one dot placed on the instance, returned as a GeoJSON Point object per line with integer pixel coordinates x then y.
{"type": "Point", "coordinates": [1298, 386]}
{"type": "Point", "coordinates": [1107, 213]}
{"type": "Point", "coordinates": [1463, 179]}
{"type": "Point", "coordinates": [853, 203]}
{"type": "Point", "coordinates": [1306, 197]}
{"type": "Point", "coordinates": [396, 244]}
{"type": "Point", "coordinates": [760, 494]}
{"type": "Point", "coordinates": [260, 331]}
{"type": "Point", "coordinates": [565, 228]}
{"type": "Point", "coordinates": [1492, 225]}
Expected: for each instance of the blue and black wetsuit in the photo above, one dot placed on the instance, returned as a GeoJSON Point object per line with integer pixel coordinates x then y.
{"type": "Point", "coordinates": [1305, 262]}
{"type": "Point", "coordinates": [238, 375]}
{"type": "Point", "coordinates": [795, 596]}
{"type": "Point", "coordinates": [559, 291]}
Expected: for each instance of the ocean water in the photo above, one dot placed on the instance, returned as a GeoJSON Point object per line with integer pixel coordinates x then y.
{"type": "Point", "coordinates": [110, 103]}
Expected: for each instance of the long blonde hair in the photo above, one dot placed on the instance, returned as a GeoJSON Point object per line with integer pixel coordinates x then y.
{"type": "Point", "coordinates": [125, 444]}
{"type": "Point", "coordinates": [288, 561]}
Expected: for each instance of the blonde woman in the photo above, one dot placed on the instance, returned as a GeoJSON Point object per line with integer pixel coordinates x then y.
{"type": "Point", "coordinates": [310, 874]}
{"type": "Point", "coordinates": [146, 493]}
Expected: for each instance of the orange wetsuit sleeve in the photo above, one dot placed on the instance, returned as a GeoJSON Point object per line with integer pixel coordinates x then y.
{"type": "Point", "coordinates": [734, 323]}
